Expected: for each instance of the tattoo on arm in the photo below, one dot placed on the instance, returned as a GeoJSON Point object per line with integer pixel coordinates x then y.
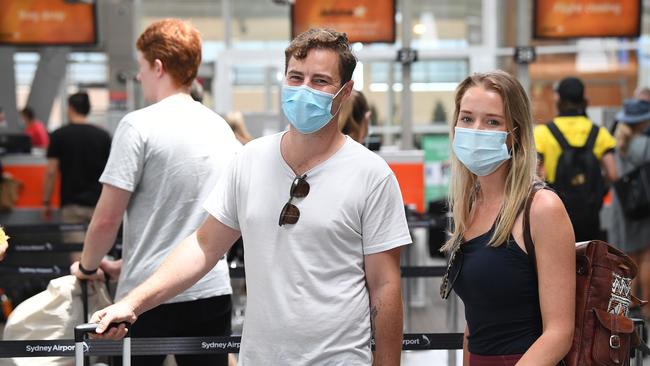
{"type": "Point", "coordinates": [373, 315]}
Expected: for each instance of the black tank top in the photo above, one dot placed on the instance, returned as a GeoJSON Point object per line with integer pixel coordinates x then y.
{"type": "Point", "coordinates": [498, 286]}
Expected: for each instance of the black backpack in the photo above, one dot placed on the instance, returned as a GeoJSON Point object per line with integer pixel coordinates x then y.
{"type": "Point", "coordinates": [578, 177]}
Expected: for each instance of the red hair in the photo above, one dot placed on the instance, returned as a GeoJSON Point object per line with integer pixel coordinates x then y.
{"type": "Point", "coordinates": [177, 44]}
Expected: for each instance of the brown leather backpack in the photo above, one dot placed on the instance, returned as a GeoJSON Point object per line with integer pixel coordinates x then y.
{"type": "Point", "coordinates": [603, 335]}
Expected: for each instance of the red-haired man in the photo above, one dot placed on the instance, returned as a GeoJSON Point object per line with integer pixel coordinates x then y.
{"type": "Point", "coordinates": [164, 161]}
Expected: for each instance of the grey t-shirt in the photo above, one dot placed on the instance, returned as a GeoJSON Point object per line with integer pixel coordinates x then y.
{"type": "Point", "coordinates": [169, 155]}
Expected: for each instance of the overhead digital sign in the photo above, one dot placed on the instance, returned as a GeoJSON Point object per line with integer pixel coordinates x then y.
{"type": "Point", "coordinates": [48, 22]}
{"type": "Point", "coordinates": [587, 18]}
{"type": "Point", "coordinates": [362, 20]}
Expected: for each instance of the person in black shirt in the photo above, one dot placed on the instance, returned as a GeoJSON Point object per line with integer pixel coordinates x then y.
{"type": "Point", "coordinates": [79, 152]}
{"type": "Point", "coordinates": [514, 313]}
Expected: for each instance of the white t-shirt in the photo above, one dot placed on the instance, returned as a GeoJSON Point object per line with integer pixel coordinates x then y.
{"type": "Point", "coordinates": [307, 301]}
{"type": "Point", "coordinates": [169, 155]}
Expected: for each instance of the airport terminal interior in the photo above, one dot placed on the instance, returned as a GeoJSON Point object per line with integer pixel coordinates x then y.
{"type": "Point", "coordinates": [412, 54]}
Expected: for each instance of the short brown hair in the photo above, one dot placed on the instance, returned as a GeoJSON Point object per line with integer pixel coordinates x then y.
{"type": "Point", "coordinates": [177, 44]}
{"type": "Point", "coordinates": [323, 38]}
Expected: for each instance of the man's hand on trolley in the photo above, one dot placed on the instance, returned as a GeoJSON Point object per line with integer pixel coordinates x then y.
{"type": "Point", "coordinates": [117, 313]}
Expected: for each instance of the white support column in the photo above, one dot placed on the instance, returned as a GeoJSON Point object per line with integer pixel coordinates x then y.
{"type": "Point", "coordinates": [226, 13]}
{"type": "Point", "coordinates": [524, 21]}
{"type": "Point", "coordinates": [643, 79]}
{"type": "Point", "coordinates": [50, 72]}
{"type": "Point", "coordinates": [119, 24]}
{"type": "Point", "coordinates": [8, 90]}
{"type": "Point", "coordinates": [406, 95]}
{"type": "Point", "coordinates": [222, 89]}
{"type": "Point", "coordinates": [486, 58]}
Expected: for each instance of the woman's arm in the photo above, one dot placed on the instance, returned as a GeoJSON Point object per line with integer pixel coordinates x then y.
{"type": "Point", "coordinates": [465, 350]}
{"type": "Point", "coordinates": [556, 268]}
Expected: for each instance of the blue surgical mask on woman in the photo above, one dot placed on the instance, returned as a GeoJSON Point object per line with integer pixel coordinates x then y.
{"type": "Point", "coordinates": [307, 109]}
{"type": "Point", "coordinates": [482, 152]}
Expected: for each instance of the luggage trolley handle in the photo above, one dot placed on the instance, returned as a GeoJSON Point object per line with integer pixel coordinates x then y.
{"type": "Point", "coordinates": [81, 330]}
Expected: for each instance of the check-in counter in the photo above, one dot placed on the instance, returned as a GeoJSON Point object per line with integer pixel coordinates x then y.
{"type": "Point", "coordinates": [29, 169]}
{"type": "Point", "coordinates": [408, 166]}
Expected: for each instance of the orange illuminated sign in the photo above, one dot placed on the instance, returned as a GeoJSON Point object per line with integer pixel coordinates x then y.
{"type": "Point", "coordinates": [47, 22]}
{"type": "Point", "coordinates": [587, 18]}
{"type": "Point", "coordinates": [362, 20]}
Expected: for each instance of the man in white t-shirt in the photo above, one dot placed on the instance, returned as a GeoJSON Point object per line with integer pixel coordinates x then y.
{"type": "Point", "coordinates": [322, 221]}
{"type": "Point", "coordinates": [164, 161]}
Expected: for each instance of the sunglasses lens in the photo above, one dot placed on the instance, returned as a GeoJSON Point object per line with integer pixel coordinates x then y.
{"type": "Point", "coordinates": [299, 188]}
{"type": "Point", "coordinates": [289, 215]}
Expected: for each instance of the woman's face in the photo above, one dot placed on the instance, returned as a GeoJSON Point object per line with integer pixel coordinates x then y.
{"type": "Point", "coordinates": [481, 109]}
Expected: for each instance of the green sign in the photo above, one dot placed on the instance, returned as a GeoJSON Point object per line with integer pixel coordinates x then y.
{"type": "Point", "coordinates": [436, 166]}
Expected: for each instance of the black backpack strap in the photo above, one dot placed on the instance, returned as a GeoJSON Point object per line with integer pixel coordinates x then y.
{"type": "Point", "coordinates": [528, 238]}
{"type": "Point", "coordinates": [591, 140]}
{"type": "Point", "coordinates": [555, 131]}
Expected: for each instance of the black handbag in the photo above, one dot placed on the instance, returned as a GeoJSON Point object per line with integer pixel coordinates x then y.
{"type": "Point", "coordinates": [633, 191]}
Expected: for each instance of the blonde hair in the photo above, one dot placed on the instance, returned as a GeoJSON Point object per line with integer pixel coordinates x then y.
{"type": "Point", "coordinates": [464, 186]}
{"type": "Point", "coordinates": [236, 122]}
{"type": "Point", "coordinates": [624, 133]}
{"type": "Point", "coordinates": [642, 93]}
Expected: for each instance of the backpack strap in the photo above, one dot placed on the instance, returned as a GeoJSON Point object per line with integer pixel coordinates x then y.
{"type": "Point", "coordinates": [564, 144]}
{"type": "Point", "coordinates": [528, 238]}
{"type": "Point", "coordinates": [555, 131]}
{"type": "Point", "coordinates": [591, 139]}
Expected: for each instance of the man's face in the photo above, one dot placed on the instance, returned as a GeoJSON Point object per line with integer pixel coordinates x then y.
{"type": "Point", "coordinates": [320, 71]}
{"type": "Point", "coordinates": [2, 117]}
{"type": "Point", "coordinates": [147, 77]}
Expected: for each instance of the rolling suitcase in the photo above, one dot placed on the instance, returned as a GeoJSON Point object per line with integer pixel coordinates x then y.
{"type": "Point", "coordinates": [79, 334]}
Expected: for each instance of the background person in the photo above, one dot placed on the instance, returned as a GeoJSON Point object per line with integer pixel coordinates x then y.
{"type": "Point", "coordinates": [164, 161]}
{"type": "Point", "coordinates": [35, 129]}
{"type": "Point", "coordinates": [322, 220]}
{"type": "Point", "coordinates": [581, 183]}
{"type": "Point", "coordinates": [355, 117]}
{"type": "Point", "coordinates": [642, 93]}
{"type": "Point", "coordinates": [3, 119]}
{"type": "Point", "coordinates": [79, 152]}
{"type": "Point", "coordinates": [196, 91]}
{"type": "Point", "coordinates": [514, 315]}
{"type": "Point", "coordinates": [633, 150]}
{"type": "Point", "coordinates": [4, 244]}
{"type": "Point", "coordinates": [236, 122]}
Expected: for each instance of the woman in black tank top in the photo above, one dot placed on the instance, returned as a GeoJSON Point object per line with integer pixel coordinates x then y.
{"type": "Point", "coordinates": [514, 315]}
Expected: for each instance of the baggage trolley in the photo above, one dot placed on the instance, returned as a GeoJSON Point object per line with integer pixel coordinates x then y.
{"type": "Point", "coordinates": [79, 334]}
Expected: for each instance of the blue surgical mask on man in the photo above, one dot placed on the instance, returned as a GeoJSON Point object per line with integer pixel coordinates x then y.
{"type": "Point", "coordinates": [307, 109]}
{"type": "Point", "coordinates": [482, 152]}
